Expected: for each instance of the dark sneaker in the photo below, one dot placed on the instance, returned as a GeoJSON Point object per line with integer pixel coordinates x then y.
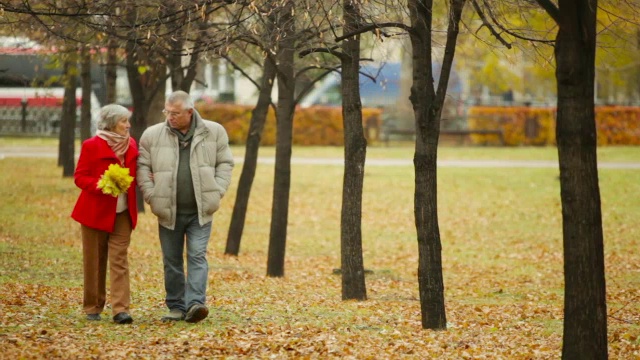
{"type": "Point", "coordinates": [122, 318]}
{"type": "Point", "coordinates": [196, 313]}
{"type": "Point", "coordinates": [174, 315]}
{"type": "Point", "coordinates": [94, 317]}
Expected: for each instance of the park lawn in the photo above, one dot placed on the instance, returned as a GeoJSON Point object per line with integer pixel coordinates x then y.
{"type": "Point", "coordinates": [502, 257]}
{"type": "Point", "coordinates": [397, 150]}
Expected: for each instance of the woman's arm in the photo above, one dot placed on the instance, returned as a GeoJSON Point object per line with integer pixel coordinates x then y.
{"type": "Point", "coordinates": [85, 176]}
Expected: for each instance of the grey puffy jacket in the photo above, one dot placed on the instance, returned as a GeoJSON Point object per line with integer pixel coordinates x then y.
{"type": "Point", "coordinates": [211, 163]}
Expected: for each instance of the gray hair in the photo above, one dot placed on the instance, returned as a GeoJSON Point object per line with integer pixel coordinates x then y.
{"type": "Point", "coordinates": [180, 97]}
{"type": "Point", "coordinates": [110, 115]}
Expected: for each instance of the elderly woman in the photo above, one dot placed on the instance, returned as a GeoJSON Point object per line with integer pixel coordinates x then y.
{"type": "Point", "coordinates": [106, 220]}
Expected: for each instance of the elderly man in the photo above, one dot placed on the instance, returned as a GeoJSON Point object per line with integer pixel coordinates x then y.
{"type": "Point", "coordinates": [184, 169]}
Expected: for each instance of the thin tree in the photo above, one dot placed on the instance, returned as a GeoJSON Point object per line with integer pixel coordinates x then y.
{"type": "Point", "coordinates": [85, 106]}
{"type": "Point", "coordinates": [284, 126]}
{"type": "Point", "coordinates": [585, 310]}
{"type": "Point", "coordinates": [585, 307]}
{"type": "Point", "coordinates": [248, 39]}
{"type": "Point", "coordinates": [111, 71]}
{"type": "Point", "coordinates": [249, 166]}
{"type": "Point", "coordinates": [355, 151]}
{"type": "Point", "coordinates": [68, 120]}
{"type": "Point", "coordinates": [427, 105]}
{"type": "Point", "coordinates": [267, 25]}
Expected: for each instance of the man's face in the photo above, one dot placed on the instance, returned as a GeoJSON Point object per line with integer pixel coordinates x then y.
{"type": "Point", "coordinates": [178, 118]}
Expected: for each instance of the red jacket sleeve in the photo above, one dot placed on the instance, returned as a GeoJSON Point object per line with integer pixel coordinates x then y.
{"type": "Point", "coordinates": [85, 176]}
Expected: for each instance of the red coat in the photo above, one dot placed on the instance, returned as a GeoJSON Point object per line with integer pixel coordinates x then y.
{"type": "Point", "coordinates": [93, 208]}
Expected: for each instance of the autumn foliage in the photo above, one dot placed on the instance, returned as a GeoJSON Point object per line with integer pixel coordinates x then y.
{"type": "Point", "coordinates": [502, 258]}
{"type": "Point", "coordinates": [521, 125]}
{"type": "Point", "coordinates": [311, 126]}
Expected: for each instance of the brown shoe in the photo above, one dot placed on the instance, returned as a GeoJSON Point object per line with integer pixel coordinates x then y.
{"type": "Point", "coordinates": [173, 315]}
{"type": "Point", "coordinates": [196, 313]}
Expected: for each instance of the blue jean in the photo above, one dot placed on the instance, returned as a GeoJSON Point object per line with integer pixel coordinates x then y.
{"type": "Point", "coordinates": [183, 292]}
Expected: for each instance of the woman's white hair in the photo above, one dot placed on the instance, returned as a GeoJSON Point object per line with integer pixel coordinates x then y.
{"type": "Point", "coordinates": [180, 97]}
{"type": "Point", "coordinates": [110, 115]}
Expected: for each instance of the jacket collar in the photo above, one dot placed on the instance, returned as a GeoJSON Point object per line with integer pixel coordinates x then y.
{"type": "Point", "coordinates": [200, 127]}
{"type": "Point", "coordinates": [106, 151]}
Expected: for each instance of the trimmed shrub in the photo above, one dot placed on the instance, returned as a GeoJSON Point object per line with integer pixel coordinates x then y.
{"type": "Point", "coordinates": [618, 125]}
{"type": "Point", "coordinates": [615, 125]}
{"type": "Point", "coordinates": [311, 126]}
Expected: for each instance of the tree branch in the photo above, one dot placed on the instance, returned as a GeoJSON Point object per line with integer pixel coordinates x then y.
{"type": "Point", "coordinates": [453, 29]}
{"type": "Point", "coordinates": [330, 50]}
{"type": "Point", "coordinates": [309, 86]}
{"type": "Point", "coordinates": [551, 9]}
{"type": "Point", "coordinates": [239, 68]}
{"type": "Point", "coordinates": [486, 23]}
{"type": "Point", "coordinates": [371, 27]}
{"type": "Point", "coordinates": [514, 34]}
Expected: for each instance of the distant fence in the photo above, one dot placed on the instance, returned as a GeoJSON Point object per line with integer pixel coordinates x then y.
{"type": "Point", "coordinates": [40, 121]}
{"type": "Point", "coordinates": [35, 121]}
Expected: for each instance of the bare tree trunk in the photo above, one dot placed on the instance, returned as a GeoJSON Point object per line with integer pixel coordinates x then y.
{"type": "Point", "coordinates": [284, 119]}
{"type": "Point", "coordinates": [85, 109]}
{"type": "Point", "coordinates": [194, 58]}
{"type": "Point", "coordinates": [258, 119]}
{"type": "Point", "coordinates": [427, 105]}
{"type": "Point", "coordinates": [68, 124]}
{"type": "Point", "coordinates": [175, 65]}
{"type": "Point", "coordinates": [585, 308]}
{"type": "Point", "coordinates": [181, 80]}
{"type": "Point", "coordinates": [141, 103]}
{"type": "Point", "coordinates": [139, 94]}
{"type": "Point", "coordinates": [355, 151]}
{"type": "Point", "coordinates": [111, 73]}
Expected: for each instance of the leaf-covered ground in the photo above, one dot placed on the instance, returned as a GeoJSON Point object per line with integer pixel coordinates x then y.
{"type": "Point", "coordinates": [502, 255]}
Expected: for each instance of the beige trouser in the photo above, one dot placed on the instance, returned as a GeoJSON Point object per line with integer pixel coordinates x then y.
{"type": "Point", "coordinates": [97, 246]}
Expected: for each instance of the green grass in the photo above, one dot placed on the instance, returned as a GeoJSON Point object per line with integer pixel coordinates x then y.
{"type": "Point", "coordinates": [397, 150]}
{"type": "Point", "coordinates": [406, 151]}
{"type": "Point", "coordinates": [502, 258]}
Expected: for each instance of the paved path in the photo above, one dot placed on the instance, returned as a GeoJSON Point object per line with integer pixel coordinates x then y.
{"type": "Point", "coordinates": [50, 153]}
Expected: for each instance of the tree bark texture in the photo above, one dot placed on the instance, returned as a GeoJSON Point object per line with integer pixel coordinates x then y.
{"type": "Point", "coordinates": [174, 60]}
{"type": "Point", "coordinates": [139, 96]}
{"type": "Point", "coordinates": [144, 87]}
{"type": "Point", "coordinates": [111, 71]}
{"type": "Point", "coordinates": [85, 109]}
{"type": "Point", "coordinates": [427, 106]}
{"type": "Point", "coordinates": [284, 135]}
{"type": "Point", "coordinates": [68, 121]}
{"type": "Point", "coordinates": [256, 126]}
{"type": "Point", "coordinates": [355, 150]}
{"type": "Point", "coordinates": [140, 104]}
{"type": "Point", "coordinates": [192, 69]}
{"type": "Point", "coordinates": [585, 310]}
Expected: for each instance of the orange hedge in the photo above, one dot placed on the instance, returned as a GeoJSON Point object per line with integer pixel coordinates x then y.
{"type": "Point", "coordinates": [311, 126]}
{"type": "Point", "coordinates": [616, 125]}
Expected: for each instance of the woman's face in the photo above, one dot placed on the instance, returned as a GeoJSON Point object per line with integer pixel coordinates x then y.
{"type": "Point", "coordinates": [122, 126]}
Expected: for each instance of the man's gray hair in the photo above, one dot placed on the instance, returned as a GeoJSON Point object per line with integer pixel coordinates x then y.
{"type": "Point", "coordinates": [110, 115]}
{"type": "Point", "coordinates": [180, 97]}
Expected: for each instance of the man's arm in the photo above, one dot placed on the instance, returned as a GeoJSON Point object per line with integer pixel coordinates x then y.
{"type": "Point", "coordinates": [224, 160]}
{"type": "Point", "coordinates": [144, 172]}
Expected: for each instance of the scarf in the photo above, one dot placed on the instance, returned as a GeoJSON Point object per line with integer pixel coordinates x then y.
{"type": "Point", "coordinates": [118, 143]}
{"type": "Point", "coordinates": [185, 139]}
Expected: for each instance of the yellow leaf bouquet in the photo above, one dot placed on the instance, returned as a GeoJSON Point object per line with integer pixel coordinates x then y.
{"type": "Point", "coordinates": [115, 180]}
